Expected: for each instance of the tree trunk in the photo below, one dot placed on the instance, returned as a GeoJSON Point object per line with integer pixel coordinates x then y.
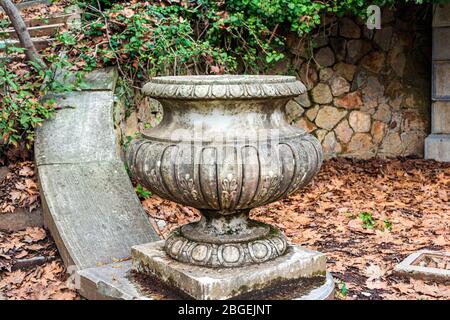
{"type": "Point", "coordinates": [22, 32]}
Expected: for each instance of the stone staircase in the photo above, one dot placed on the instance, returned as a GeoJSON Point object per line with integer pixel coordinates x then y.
{"type": "Point", "coordinates": [42, 30]}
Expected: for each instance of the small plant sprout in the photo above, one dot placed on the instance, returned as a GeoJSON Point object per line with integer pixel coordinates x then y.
{"type": "Point", "coordinates": [142, 192]}
{"type": "Point", "coordinates": [341, 289]}
{"type": "Point", "coordinates": [367, 220]}
{"type": "Point", "coordinates": [387, 224]}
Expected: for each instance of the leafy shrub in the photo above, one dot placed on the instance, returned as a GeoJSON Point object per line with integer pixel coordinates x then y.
{"type": "Point", "coordinates": [23, 84]}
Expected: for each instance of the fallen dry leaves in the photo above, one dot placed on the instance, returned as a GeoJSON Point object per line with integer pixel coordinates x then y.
{"type": "Point", "coordinates": [43, 281]}
{"type": "Point", "coordinates": [407, 199]}
{"type": "Point", "coordinates": [18, 189]}
{"type": "Point", "coordinates": [40, 11]}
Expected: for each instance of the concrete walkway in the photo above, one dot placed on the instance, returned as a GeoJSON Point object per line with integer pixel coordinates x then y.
{"type": "Point", "coordinates": [89, 204]}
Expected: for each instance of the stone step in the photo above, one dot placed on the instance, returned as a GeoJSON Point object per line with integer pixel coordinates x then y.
{"type": "Point", "coordinates": [37, 31]}
{"type": "Point", "coordinates": [30, 3]}
{"type": "Point", "coordinates": [21, 219]}
{"type": "Point", "coordinates": [57, 19]}
{"type": "Point", "coordinates": [40, 43]}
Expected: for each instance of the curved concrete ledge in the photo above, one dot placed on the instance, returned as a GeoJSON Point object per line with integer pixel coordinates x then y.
{"type": "Point", "coordinates": [115, 281]}
{"type": "Point", "coordinates": [89, 204]}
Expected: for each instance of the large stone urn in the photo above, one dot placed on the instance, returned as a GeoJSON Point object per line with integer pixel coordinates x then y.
{"type": "Point", "coordinates": [224, 146]}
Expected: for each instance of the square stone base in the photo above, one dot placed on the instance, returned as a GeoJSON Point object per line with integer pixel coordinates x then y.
{"type": "Point", "coordinates": [216, 284]}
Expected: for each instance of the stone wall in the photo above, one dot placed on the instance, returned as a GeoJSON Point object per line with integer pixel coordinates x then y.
{"type": "Point", "coordinates": [369, 90]}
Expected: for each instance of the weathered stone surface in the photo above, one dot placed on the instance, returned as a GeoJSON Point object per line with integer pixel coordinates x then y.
{"type": "Point", "coordinates": [437, 147]}
{"type": "Point", "coordinates": [392, 144]}
{"type": "Point", "coordinates": [131, 125]}
{"type": "Point", "coordinates": [359, 121]}
{"type": "Point", "coordinates": [395, 93]}
{"type": "Point", "coordinates": [356, 49]}
{"type": "Point", "coordinates": [325, 74]}
{"type": "Point", "coordinates": [345, 70]}
{"type": "Point", "coordinates": [383, 38]}
{"type": "Point", "coordinates": [441, 15]}
{"type": "Point", "coordinates": [411, 266]}
{"type": "Point", "coordinates": [308, 75]}
{"type": "Point", "coordinates": [360, 79]}
{"type": "Point", "coordinates": [415, 100]}
{"type": "Point", "coordinates": [112, 282]}
{"type": "Point", "coordinates": [349, 29]}
{"type": "Point", "coordinates": [440, 43]}
{"type": "Point", "coordinates": [349, 101]}
{"type": "Point", "coordinates": [305, 124]}
{"type": "Point", "coordinates": [303, 100]}
{"type": "Point", "coordinates": [440, 117]}
{"type": "Point", "coordinates": [81, 131]}
{"type": "Point", "coordinates": [312, 112]}
{"type": "Point", "coordinates": [330, 145]}
{"type": "Point", "coordinates": [320, 134]}
{"type": "Point", "coordinates": [146, 110]}
{"type": "Point", "coordinates": [92, 205]}
{"type": "Point", "coordinates": [321, 94]}
{"type": "Point", "coordinates": [441, 78]}
{"type": "Point", "coordinates": [397, 60]}
{"type": "Point", "coordinates": [165, 166]}
{"type": "Point", "coordinates": [383, 113]}
{"type": "Point", "coordinates": [339, 86]}
{"type": "Point", "coordinates": [378, 131]}
{"type": "Point", "coordinates": [361, 144]}
{"type": "Point", "coordinates": [339, 46]}
{"type": "Point", "coordinates": [116, 282]}
{"type": "Point", "coordinates": [343, 131]}
{"type": "Point", "coordinates": [21, 219]}
{"type": "Point", "coordinates": [413, 143]}
{"type": "Point", "coordinates": [374, 62]}
{"type": "Point", "coordinates": [294, 110]}
{"type": "Point", "coordinates": [325, 57]}
{"type": "Point", "coordinates": [373, 89]}
{"type": "Point", "coordinates": [206, 284]}
{"type": "Point", "coordinates": [320, 40]}
{"type": "Point", "coordinates": [329, 116]}
{"type": "Point", "coordinates": [88, 199]}
{"type": "Point", "coordinates": [413, 121]}
{"type": "Point", "coordinates": [98, 80]}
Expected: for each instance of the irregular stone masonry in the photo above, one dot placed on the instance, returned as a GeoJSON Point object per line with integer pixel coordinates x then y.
{"type": "Point", "coordinates": [368, 89]}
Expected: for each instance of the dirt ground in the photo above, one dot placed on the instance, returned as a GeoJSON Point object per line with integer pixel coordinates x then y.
{"type": "Point", "coordinates": [365, 215]}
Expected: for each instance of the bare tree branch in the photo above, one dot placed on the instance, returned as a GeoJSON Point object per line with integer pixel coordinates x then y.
{"type": "Point", "coordinates": [22, 32]}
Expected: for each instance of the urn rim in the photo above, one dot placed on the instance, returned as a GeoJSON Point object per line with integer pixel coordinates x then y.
{"type": "Point", "coordinates": [201, 87]}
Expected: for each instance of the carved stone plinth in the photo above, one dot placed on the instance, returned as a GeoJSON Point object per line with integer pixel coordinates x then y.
{"type": "Point", "coordinates": [304, 271]}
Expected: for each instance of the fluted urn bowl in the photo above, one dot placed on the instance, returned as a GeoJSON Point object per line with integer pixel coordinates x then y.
{"type": "Point", "coordinates": [224, 146]}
